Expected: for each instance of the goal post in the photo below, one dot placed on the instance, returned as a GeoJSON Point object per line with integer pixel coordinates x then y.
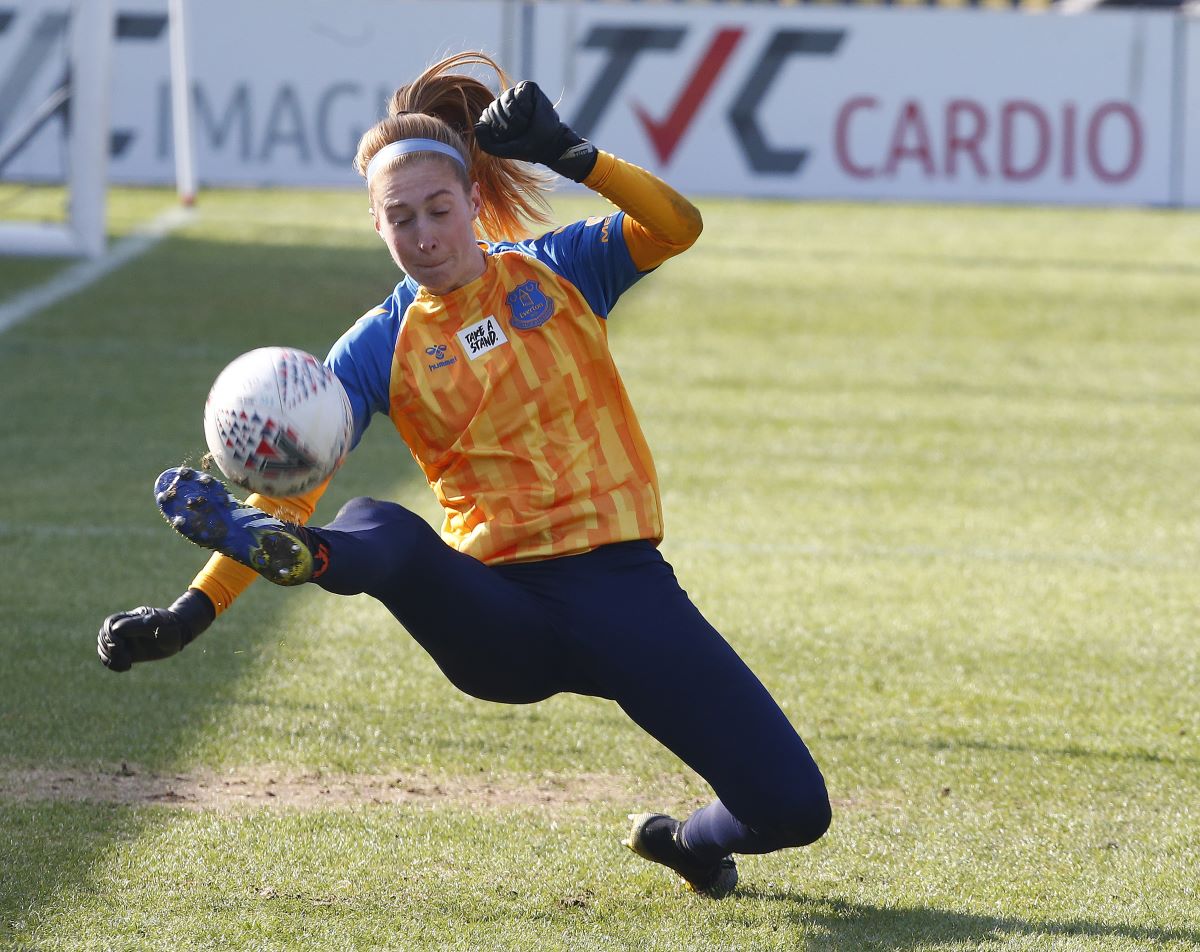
{"type": "Point", "coordinates": [181, 105]}
{"type": "Point", "coordinates": [86, 104]}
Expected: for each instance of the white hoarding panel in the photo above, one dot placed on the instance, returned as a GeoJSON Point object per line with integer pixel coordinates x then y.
{"type": "Point", "coordinates": [958, 105]}
{"type": "Point", "coordinates": [281, 91]}
{"type": "Point", "coordinates": [738, 99]}
{"type": "Point", "coordinates": [1189, 112]}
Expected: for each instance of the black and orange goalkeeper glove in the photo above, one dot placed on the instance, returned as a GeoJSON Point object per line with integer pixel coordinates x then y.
{"type": "Point", "coordinates": [148, 634]}
{"type": "Point", "coordinates": [522, 124]}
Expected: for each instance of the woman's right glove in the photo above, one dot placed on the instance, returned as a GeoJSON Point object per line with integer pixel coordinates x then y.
{"type": "Point", "coordinates": [148, 634]}
{"type": "Point", "coordinates": [522, 124]}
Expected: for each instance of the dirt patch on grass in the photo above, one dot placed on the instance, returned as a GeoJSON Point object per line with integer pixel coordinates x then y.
{"type": "Point", "coordinates": [265, 787]}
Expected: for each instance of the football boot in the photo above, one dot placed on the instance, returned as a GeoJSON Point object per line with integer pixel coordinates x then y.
{"type": "Point", "coordinates": [655, 836]}
{"type": "Point", "coordinates": [199, 508]}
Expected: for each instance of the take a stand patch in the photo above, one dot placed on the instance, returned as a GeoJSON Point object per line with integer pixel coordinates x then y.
{"type": "Point", "coordinates": [481, 337]}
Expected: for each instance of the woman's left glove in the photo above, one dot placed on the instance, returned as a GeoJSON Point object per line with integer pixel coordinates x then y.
{"type": "Point", "coordinates": [522, 124]}
{"type": "Point", "coordinates": [150, 634]}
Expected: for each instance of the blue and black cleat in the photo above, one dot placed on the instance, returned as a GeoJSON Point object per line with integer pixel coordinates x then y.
{"type": "Point", "coordinates": [655, 836]}
{"type": "Point", "coordinates": [200, 509]}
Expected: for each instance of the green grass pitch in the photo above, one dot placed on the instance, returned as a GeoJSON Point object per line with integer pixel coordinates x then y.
{"type": "Point", "coordinates": [934, 471]}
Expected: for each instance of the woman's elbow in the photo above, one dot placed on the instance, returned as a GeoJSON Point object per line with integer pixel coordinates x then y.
{"type": "Point", "coordinates": [692, 223]}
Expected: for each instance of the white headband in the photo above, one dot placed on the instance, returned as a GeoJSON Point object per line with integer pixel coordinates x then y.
{"type": "Point", "coordinates": [404, 147]}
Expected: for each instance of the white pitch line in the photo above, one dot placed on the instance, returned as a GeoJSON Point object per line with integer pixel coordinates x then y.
{"type": "Point", "coordinates": [79, 276]}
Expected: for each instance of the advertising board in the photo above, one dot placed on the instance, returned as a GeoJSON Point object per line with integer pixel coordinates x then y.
{"type": "Point", "coordinates": [956, 105]}
{"type": "Point", "coordinates": [790, 101]}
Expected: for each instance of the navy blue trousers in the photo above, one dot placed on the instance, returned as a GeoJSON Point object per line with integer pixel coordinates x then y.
{"type": "Point", "coordinates": [612, 623]}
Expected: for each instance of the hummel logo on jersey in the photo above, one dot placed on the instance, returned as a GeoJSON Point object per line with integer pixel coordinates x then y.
{"type": "Point", "coordinates": [438, 353]}
{"type": "Point", "coordinates": [482, 336]}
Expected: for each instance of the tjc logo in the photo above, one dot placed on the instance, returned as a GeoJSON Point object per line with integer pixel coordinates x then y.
{"type": "Point", "coordinates": [624, 44]}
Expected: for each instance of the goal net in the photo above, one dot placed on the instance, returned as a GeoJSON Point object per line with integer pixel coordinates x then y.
{"type": "Point", "coordinates": [55, 68]}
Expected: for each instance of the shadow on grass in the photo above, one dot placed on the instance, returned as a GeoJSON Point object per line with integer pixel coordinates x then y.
{"type": "Point", "coordinates": [853, 925]}
{"type": "Point", "coordinates": [112, 384]}
{"type": "Point", "coordinates": [1068, 752]}
{"type": "Point", "coordinates": [49, 849]}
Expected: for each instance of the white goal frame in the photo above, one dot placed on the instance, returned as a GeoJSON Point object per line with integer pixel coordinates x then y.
{"type": "Point", "coordinates": [83, 232]}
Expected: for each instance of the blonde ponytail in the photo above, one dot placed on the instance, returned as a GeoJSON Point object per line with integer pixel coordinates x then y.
{"type": "Point", "coordinates": [442, 104]}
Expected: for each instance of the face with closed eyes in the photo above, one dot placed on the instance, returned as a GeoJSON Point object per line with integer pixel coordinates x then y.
{"type": "Point", "coordinates": [426, 217]}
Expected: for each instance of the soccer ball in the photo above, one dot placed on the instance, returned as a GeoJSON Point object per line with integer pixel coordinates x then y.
{"type": "Point", "coordinates": [278, 421]}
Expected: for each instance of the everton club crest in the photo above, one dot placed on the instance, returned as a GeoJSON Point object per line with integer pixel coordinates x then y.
{"type": "Point", "coordinates": [529, 306]}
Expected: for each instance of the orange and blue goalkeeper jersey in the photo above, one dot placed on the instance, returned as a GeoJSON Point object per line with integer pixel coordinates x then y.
{"type": "Point", "coordinates": [505, 390]}
{"type": "Point", "coordinates": [509, 400]}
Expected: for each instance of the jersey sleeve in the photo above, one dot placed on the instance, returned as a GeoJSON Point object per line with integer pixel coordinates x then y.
{"type": "Point", "coordinates": [659, 222]}
{"type": "Point", "coordinates": [593, 256]}
{"type": "Point", "coordinates": [603, 257]}
{"type": "Point", "coordinates": [362, 358]}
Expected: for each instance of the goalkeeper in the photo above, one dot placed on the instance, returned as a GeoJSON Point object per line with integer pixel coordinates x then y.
{"type": "Point", "coordinates": [491, 359]}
